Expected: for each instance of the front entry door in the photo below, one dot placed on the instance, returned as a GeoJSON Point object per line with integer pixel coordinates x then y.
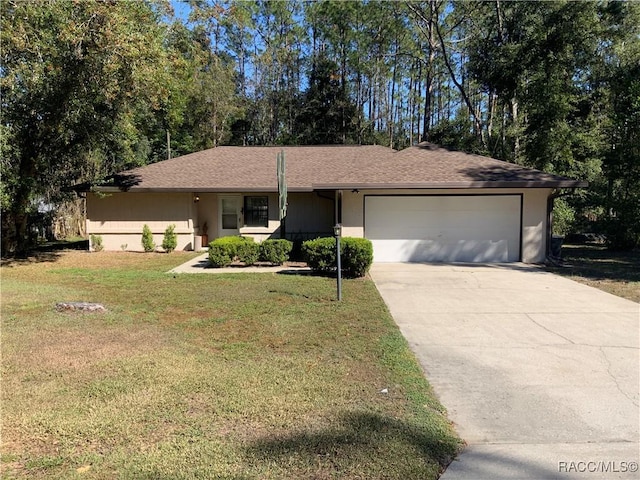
{"type": "Point", "coordinates": [229, 217]}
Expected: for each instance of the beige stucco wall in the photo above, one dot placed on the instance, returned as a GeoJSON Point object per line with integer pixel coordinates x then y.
{"type": "Point", "coordinates": [310, 215]}
{"type": "Point", "coordinates": [534, 214]}
{"type": "Point", "coordinates": [119, 217]}
{"type": "Point", "coordinates": [206, 215]}
{"type": "Point", "coordinates": [534, 225]}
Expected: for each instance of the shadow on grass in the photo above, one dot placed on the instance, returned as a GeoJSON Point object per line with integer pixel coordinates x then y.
{"type": "Point", "coordinates": [45, 253]}
{"type": "Point", "coordinates": [33, 257]}
{"type": "Point", "coordinates": [596, 262]}
{"type": "Point", "coordinates": [62, 245]}
{"type": "Point", "coordinates": [360, 440]}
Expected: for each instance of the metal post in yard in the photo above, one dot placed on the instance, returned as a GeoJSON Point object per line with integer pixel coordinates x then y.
{"type": "Point", "coordinates": [337, 230]}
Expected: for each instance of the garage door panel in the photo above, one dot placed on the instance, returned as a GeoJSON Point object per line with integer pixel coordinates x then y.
{"type": "Point", "coordinates": [435, 251]}
{"type": "Point", "coordinates": [444, 228]}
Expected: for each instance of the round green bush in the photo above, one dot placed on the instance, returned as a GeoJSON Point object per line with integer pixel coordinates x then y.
{"type": "Point", "coordinates": [275, 251]}
{"type": "Point", "coordinates": [248, 252]}
{"type": "Point", "coordinates": [356, 255]}
{"type": "Point", "coordinates": [219, 258]}
{"type": "Point", "coordinates": [224, 250]}
{"type": "Point", "coordinates": [320, 254]}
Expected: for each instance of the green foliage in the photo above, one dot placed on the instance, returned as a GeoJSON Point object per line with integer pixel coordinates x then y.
{"type": "Point", "coordinates": [248, 252]}
{"type": "Point", "coordinates": [275, 251]}
{"type": "Point", "coordinates": [356, 255]}
{"type": "Point", "coordinates": [621, 191]}
{"type": "Point", "coordinates": [219, 257]}
{"type": "Point", "coordinates": [320, 254]}
{"type": "Point", "coordinates": [563, 217]}
{"type": "Point", "coordinates": [224, 250]}
{"type": "Point", "coordinates": [622, 235]}
{"type": "Point", "coordinates": [72, 73]}
{"type": "Point", "coordinates": [170, 239]}
{"type": "Point", "coordinates": [92, 88]}
{"type": "Point", "coordinates": [96, 243]}
{"type": "Point", "coordinates": [457, 134]}
{"type": "Point", "coordinates": [326, 115]}
{"type": "Point", "coordinates": [567, 74]}
{"type": "Point", "coordinates": [147, 239]}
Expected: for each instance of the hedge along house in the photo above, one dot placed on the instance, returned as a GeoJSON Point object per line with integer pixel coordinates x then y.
{"type": "Point", "coordinates": [424, 203]}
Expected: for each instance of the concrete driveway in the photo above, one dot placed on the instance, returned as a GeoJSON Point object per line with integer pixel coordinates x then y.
{"type": "Point", "coordinates": [539, 374]}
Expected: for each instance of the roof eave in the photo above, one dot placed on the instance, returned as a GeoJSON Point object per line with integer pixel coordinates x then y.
{"type": "Point", "coordinates": [452, 185]}
{"type": "Point", "coordinates": [270, 189]}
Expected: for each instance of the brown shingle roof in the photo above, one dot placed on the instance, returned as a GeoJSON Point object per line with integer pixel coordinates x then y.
{"type": "Point", "coordinates": [328, 167]}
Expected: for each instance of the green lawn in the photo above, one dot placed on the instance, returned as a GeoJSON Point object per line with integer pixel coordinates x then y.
{"type": "Point", "coordinates": [207, 376]}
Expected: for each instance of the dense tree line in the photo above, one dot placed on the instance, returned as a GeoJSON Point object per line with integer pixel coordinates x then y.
{"type": "Point", "coordinates": [91, 88]}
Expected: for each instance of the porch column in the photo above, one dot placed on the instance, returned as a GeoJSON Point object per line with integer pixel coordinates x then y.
{"type": "Point", "coordinates": [338, 206]}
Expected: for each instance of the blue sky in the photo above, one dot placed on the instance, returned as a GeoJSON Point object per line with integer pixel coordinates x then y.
{"type": "Point", "coordinates": [181, 9]}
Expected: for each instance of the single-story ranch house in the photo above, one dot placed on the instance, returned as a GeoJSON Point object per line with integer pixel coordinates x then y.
{"type": "Point", "coordinates": [424, 203]}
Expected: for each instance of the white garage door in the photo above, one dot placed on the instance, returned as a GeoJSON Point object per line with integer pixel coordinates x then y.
{"type": "Point", "coordinates": [443, 228]}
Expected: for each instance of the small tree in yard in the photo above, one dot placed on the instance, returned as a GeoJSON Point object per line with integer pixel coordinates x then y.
{"type": "Point", "coordinates": [170, 239]}
{"type": "Point", "coordinates": [147, 239]}
{"type": "Point", "coordinates": [96, 243]}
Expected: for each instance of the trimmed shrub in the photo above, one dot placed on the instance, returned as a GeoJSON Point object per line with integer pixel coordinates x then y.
{"type": "Point", "coordinates": [248, 252]}
{"type": "Point", "coordinates": [218, 257]}
{"type": "Point", "coordinates": [275, 251]}
{"type": "Point", "coordinates": [223, 251]}
{"type": "Point", "coordinates": [320, 254]}
{"type": "Point", "coordinates": [170, 239]}
{"type": "Point", "coordinates": [147, 239]}
{"type": "Point", "coordinates": [96, 243]}
{"type": "Point", "coordinates": [356, 255]}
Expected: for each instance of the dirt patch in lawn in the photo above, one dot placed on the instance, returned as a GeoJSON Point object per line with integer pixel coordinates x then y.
{"type": "Point", "coordinates": [80, 347]}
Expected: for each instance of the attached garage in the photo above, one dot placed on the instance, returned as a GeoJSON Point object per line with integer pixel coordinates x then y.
{"type": "Point", "coordinates": [444, 228]}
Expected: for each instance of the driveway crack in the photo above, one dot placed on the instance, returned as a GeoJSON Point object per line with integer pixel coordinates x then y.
{"type": "Point", "coordinates": [551, 331]}
{"type": "Point", "coordinates": [615, 380]}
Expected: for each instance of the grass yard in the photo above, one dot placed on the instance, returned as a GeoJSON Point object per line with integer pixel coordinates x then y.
{"type": "Point", "coordinates": [614, 272]}
{"type": "Point", "coordinates": [237, 376]}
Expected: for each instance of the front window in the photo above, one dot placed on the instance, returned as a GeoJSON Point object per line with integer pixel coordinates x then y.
{"type": "Point", "coordinates": [256, 211]}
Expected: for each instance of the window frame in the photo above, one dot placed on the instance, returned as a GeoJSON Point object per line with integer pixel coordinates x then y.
{"type": "Point", "coordinates": [256, 214]}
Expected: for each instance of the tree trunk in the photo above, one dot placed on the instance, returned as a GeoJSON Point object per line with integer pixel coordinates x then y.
{"type": "Point", "coordinates": [417, 106]}
{"type": "Point", "coordinates": [492, 110]}
{"type": "Point", "coordinates": [463, 92]}
{"type": "Point", "coordinates": [513, 104]}
{"type": "Point", "coordinates": [411, 111]}
{"type": "Point", "coordinates": [428, 101]}
{"type": "Point", "coordinates": [392, 100]}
